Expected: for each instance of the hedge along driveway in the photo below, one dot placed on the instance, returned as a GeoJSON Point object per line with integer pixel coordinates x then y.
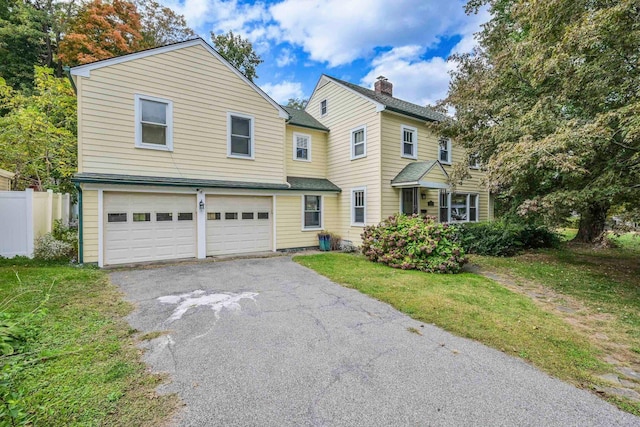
{"type": "Point", "coordinates": [478, 308]}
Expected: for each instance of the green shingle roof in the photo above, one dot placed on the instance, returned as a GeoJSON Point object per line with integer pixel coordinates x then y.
{"type": "Point", "coordinates": [413, 172]}
{"type": "Point", "coordinates": [395, 104]}
{"type": "Point", "coordinates": [312, 184]}
{"type": "Point", "coordinates": [304, 119]}
{"type": "Point", "coordinates": [104, 178]}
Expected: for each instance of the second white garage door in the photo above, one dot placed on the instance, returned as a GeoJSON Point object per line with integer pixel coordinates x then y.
{"type": "Point", "coordinates": [238, 224]}
{"type": "Point", "coordinates": [148, 227]}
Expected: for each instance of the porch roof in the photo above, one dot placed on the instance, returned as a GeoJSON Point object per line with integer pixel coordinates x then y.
{"type": "Point", "coordinates": [413, 175]}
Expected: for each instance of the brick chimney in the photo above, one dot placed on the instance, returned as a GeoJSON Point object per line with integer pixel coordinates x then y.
{"type": "Point", "coordinates": [383, 86]}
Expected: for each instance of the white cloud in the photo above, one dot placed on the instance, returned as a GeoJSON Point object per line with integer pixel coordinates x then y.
{"type": "Point", "coordinates": [285, 58]}
{"type": "Point", "coordinates": [414, 79]}
{"type": "Point", "coordinates": [338, 31]}
{"type": "Point", "coordinates": [472, 26]}
{"type": "Point", "coordinates": [281, 92]}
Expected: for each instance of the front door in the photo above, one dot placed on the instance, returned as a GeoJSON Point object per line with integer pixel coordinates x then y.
{"type": "Point", "coordinates": [410, 201]}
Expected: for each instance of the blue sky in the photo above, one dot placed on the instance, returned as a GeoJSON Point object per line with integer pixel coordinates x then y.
{"type": "Point", "coordinates": [407, 41]}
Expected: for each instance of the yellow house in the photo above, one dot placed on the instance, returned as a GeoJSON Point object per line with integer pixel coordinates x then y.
{"type": "Point", "coordinates": [5, 180]}
{"type": "Point", "coordinates": [181, 156]}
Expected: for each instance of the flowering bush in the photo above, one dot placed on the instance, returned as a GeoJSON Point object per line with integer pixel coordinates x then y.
{"type": "Point", "coordinates": [49, 248]}
{"type": "Point", "coordinates": [414, 243]}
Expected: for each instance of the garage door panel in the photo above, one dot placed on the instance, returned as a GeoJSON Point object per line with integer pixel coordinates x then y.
{"type": "Point", "coordinates": [227, 236]}
{"type": "Point", "coordinates": [136, 241]}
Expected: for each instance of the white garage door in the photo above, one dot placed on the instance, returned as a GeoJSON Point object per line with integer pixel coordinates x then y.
{"type": "Point", "coordinates": [148, 227]}
{"type": "Point", "coordinates": [238, 224]}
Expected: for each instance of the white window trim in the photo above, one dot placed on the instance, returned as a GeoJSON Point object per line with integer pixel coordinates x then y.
{"type": "Point", "coordinates": [252, 142]}
{"type": "Point", "coordinates": [450, 154]}
{"type": "Point", "coordinates": [415, 142]}
{"type": "Point", "coordinates": [353, 131]}
{"type": "Point", "coordinates": [353, 207]}
{"type": "Point", "coordinates": [138, 121]}
{"type": "Point", "coordinates": [326, 107]}
{"type": "Point", "coordinates": [477, 206]}
{"type": "Point", "coordinates": [321, 227]}
{"type": "Point", "coordinates": [476, 166]}
{"type": "Point", "coordinates": [295, 146]}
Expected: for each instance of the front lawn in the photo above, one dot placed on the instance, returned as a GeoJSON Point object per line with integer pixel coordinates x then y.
{"type": "Point", "coordinates": [79, 365]}
{"type": "Point", "coordinates": [476, 307]}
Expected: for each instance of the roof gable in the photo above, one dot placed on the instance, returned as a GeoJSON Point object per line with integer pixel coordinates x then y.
{"type": "Point", "coordinates": [85, 70]}
{"type": "Point", "coordinates": [415, 172]}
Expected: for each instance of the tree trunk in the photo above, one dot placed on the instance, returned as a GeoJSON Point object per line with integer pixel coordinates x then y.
{"type": "Point", "coordinates": [592, 222]}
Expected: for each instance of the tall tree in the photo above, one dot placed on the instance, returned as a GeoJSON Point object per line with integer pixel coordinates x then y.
{"type": "Point", "coordinates": [551, 102]}
{"type": "Point", "coordinates": [239, 52]}
{"type": "Point", "coordinates": [161, 25]}
{"type": "Point", "coordinates": [102, 30]}
{"type": "Point", "coordinates": [38, 134]}
{"type": "Point", "coordinates": [297, 103]}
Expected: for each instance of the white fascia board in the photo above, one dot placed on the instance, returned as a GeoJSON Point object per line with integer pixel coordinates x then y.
{"type": "Point", "coordinates": [379, 106]}
{"type": "Point", "coordinates": [429, 184]}
{"type": "Point", "coordinates": [85, 70]}
{"type": "Point", "coordinates": [6, 174]}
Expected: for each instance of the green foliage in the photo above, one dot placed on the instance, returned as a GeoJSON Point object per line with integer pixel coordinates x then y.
{"type": "Point", "coordinates": [38, 134]}
{"type": "Point", "coordinates": [502, 238]}
{"type": "Point", "coordinates": [297, 103]}
{"type": "Point", "coordinates": [550, 101]}
{"type": "Point", "coordinates": [414, 243]}
{"type": "Point", "coordinates": [48, 248]}
{"type": "Point", "coordinates": [239, 52]}
{"type": "Point", "coordinates": [161, 25]}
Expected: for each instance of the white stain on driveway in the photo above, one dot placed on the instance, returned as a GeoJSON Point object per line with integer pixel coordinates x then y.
{"type": "Point", "coordinates": [198, 298]}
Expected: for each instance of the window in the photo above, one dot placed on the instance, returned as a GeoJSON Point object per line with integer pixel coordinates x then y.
{"type": "Point", "coordinates": [458, 207]}
{"type": "Point", "coordinates": [154, 123]}
{"type": "Point", "coordinates": [358, 143]}
{"type": "Point", "coordinates": [263, 215]}
{"type": "Point", "coordinates": [141, 217]}
{"type": "Point", "coordinates": [358, 203]}
{"type": "Point", "coordinates": [164, 216]}
{"type": "Point", "coordinates": [213, 216]}
{"type": "Point", "coordinates": [247, 215]}
{"type": "Point", "coordinates": [231, 215]}
{"type": "Point", "coordinates": [445, 150]}
{"type": "Point", "coordinates": [474, 161]}
{"type": "Point", "coordinates": [323, 107]}
{"type": "Point", "coordinates": [409, 142]}
{"type": "Point", "coordinates": [240, 128]}
{"type": "Point", "coordinates": [117, 217]}
{"type": "Point", "coordinates": [301, 147]}
{"type": "Point", "coordinates": [312, 207]}
{"type": "Point", "coordinates": [185, 216]}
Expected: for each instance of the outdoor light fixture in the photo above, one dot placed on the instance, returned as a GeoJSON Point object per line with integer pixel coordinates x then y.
{"type": "Point", "coordinates": [201, 206]}
{"type": "Point", "coordinates": [423, 196]}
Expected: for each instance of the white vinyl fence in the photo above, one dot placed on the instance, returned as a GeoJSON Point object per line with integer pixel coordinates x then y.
{"type": "Point", "coordinates": [27, 215]}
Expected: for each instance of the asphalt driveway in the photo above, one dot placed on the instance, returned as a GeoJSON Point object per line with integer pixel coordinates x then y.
{"type": "Point", "coordinates": [267, 342]}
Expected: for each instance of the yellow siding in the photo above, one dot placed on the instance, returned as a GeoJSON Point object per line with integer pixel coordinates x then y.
{"type": "Point", "coordinates": [90, 225]}
{"type": "Point", "coordinates": [428, 149]}
{"type": "Point", "coordinates": [347, 111]}
{"type": "Point", "coordinates": [203, 91]}
{"type": "Point", "coordinates": [317, 167]}
{"type": "Point", "coordinates": [5, 184]}
{"type": "Point", "coordinates": [289, 221]}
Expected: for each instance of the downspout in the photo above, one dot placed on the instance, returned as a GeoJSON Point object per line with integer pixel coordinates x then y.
{"type": "Point", "coordinates": [80, 228]}
{"type": "Point", "coordinates": [67, 71]}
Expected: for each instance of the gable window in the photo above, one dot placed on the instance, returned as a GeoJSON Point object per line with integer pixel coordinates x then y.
{"type": "Point", "coordinates": [154, 123]}
{"type": "Point", "coordinates": [323, 107]}
{"type": "Point", "coordinates": [301, 147]}
{"type": "Point", "coordinates": [445, 150]}
{"type": "Point", "coordinates": [312, 215]}
{"type": "Point", "coordinates": [240, 128]}
{"type": "Point", "coordinates": [358, 206]}
{"type": "Point", "coordinates": [409, 142]}
{"type": "Point", "coordinates": [358, 143]}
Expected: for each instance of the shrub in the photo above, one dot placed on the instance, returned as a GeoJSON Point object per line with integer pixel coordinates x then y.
{"type": "Point", "coordinates": [414, 243]}
{"type": "Point", "coordinates": [503, 238]}
{"type": "Point", "coordinates": [49, 248]}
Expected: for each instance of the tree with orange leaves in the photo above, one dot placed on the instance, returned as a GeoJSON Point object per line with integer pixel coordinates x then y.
{"type": "Point", "coordinates": [102, 30]}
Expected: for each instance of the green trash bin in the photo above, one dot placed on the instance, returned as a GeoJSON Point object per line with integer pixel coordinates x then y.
{"type": "Point", "coordinates": [324, 241]}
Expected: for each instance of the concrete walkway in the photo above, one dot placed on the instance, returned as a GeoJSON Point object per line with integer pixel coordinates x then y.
{"type": "Point", "coordinates": [266, 342]}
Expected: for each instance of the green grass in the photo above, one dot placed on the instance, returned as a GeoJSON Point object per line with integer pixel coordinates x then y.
{"type": "Point", "coordinates": [475, 307]}
{"type": "Point", "coordinates": [82, 367]}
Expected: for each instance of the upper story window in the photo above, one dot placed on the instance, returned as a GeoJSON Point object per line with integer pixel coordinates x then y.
{"type": "Point", "coordinates": [240, 128]}
{"type": "Point", "coordinates": [445, 150]}
{"type": "Point", "coordinates": [474, 161]}
{"type": "Point", "coordinates": [358, 206]}
{"type": "Point", "coordinates": [409, 142]}
{"type": "Point", "coordinates": [301, 147]}
{"type": "Point", "coordinates": [154, 123]}
{"type": "Point", "coordinates": [312, 206]}
{"type": "Point", "coordinates": [323, 107]}
{"type": "Point", "coordinates": [358, 142]}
